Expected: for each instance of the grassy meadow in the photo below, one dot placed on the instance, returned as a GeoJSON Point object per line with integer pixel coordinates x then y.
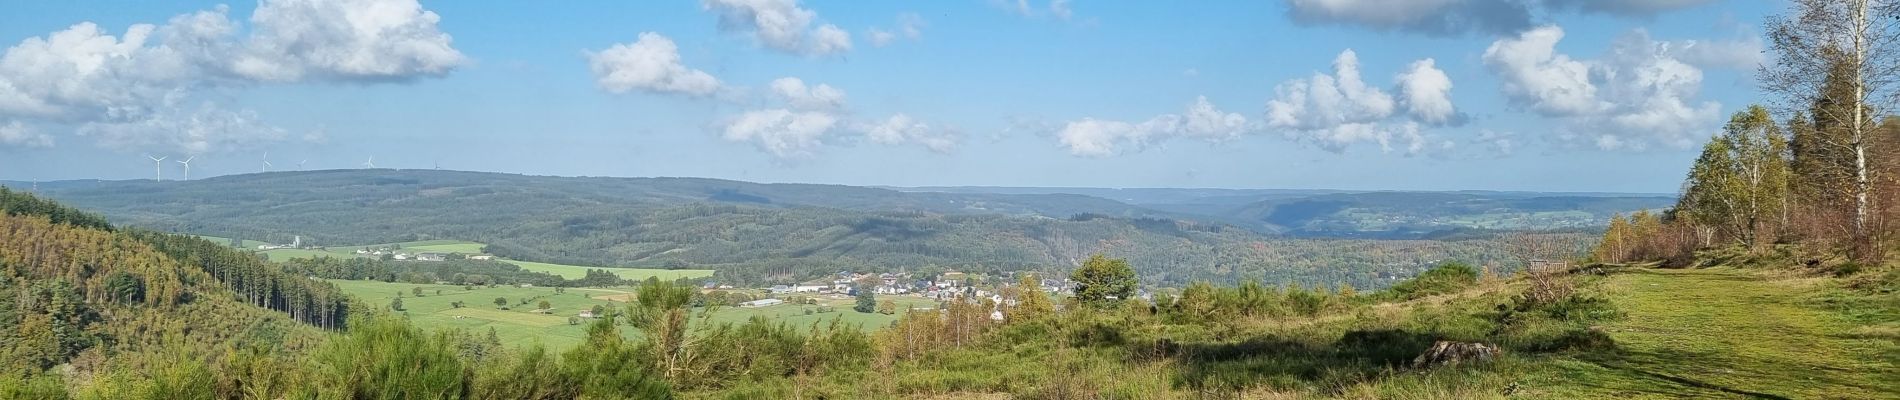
{"type": "Point", "coordinates": [467, 247]}
{"type": "Point", "coordinates": [1729, 333]}
{"type": "Point", "coordinates": [521, 326]}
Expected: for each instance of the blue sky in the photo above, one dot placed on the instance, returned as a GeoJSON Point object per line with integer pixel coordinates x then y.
{"type": "Point", "coordinates": [1000, 93]}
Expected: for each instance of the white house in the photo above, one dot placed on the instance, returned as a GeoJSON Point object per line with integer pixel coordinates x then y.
{"type": "Point", "coordinates": [481, 257]}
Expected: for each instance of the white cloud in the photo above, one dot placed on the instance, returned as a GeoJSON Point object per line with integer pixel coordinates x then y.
{"type": "Point", "coordinates": [902, 129]}
{"type": "Point", "coordinates": [1334, 112]}
{"type": "Point", "coordinates": [346, 40]}
{"type": "Point", "coordinates": [18, 135]}
{"type": "Point", "coordinates": [909, 26]}
{"type": "Point", "coordinates": [1537, 77]}
{"type": "Point", "coordinates": [1325, 101]}
{"type": "Point", "coordinates": [1091, 137]}
{"type": "Point", "coordinates": [781, 132]}
{"type": "Point", "coordinates": [1426, 93]}
{"type": "Point", "coordinates": [1637, 95]}
{"type": "Point", "coordinates": [880, 37]}
{"type": "Point", "coordinates": [780, 25]}
{"type": "Point", "coordinates": [829, 39]}
{"type": "Point", "coordinates": [1061, 9]}
{"type": "Point", "coordinates": [109, 86]}
{"type": "Point", "coordinates": [651, 64]}
{"type": "Point", "coordinates": [820, 97]}
{"type": "Point", "coordinates": [806, 117]}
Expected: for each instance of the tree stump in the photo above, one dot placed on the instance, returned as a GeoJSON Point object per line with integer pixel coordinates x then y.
{"type": "Point", "coordinates": [1446, 352]}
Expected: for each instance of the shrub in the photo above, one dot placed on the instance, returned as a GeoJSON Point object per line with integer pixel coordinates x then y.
{"type": "Point", "coordinates": [1445, 278]}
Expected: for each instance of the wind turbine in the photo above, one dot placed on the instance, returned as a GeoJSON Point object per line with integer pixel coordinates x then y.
{"type": "Point", "coordinates": [371, 163]}
{"type": "Point", "coordinates": [266, 166]}
{"type": "Point", "coordinates": [158, 167]}
{"type": "Point", "coordinates": [187, 164]}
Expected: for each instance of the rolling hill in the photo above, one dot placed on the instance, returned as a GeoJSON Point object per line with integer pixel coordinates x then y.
{"type": "Point", "coordinates": [767, 233]}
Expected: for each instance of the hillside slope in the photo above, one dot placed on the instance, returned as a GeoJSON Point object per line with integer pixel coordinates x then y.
{"type": "Point", "coordinates": [751, 233]}
{"type": "Point", "coordinates": [76, 292]}
{"type": "Point", "coordinates": [1729, 333]}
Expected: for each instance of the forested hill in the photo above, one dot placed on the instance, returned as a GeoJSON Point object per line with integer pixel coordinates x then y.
{"type": "Point", "coordinates": [76, 291]}
{"type": "Point", "coordinates": [751, 233]}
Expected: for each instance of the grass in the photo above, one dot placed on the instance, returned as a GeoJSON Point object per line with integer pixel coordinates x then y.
{"type": "Point", "coordinates": [576, 271]}
{"type": "Point", "coordinates": [516, 327]}
{"type": "Point", "coordinates": [520, 326]}
{"type": "Point", "coordinates": [1724, 333]}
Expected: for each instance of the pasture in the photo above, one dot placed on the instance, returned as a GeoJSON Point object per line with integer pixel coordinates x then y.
{"type": "Point", "coordinates": [520, 326]}
{"type": "Point", "coordinates": [468, 248]}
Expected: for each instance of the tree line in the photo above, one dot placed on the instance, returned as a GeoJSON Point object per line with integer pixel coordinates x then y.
{"type": "Point", "coordinates": [1827, 173]}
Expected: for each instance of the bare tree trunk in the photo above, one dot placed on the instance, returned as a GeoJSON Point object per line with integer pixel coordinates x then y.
{"type": "Point", "coordinates": [1861, 183]}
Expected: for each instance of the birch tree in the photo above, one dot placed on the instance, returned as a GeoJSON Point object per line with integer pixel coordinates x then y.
{"type": "Point", "coordinates": [1856, 44]}
{"type": "Point", "coordinates": [1738, 185]}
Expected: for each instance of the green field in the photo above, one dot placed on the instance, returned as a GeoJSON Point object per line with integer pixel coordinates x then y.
{"type": "Point", "coordinates": [576, 271]}
{"type": "Point", "coordinates": [519, 326]}
{"type": "Point", "coordinates": [467, 247]}
{"type": "Point", "coordinates": [1727, 333]}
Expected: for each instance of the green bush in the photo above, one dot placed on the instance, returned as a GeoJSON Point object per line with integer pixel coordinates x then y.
{"type": "Point", "coordinates": [1445, 278]}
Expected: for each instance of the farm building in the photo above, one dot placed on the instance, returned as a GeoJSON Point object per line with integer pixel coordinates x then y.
{"type": "Point", "coordinates": [762, 303]}
{"type": "Point", "coordinates": [432, 257]}
{"type": "Point", "coordinates": [481, 257]}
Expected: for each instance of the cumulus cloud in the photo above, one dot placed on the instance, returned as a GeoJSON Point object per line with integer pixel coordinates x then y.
{"type": "Point", "coordinates": [901, 129]}
{"type": "Point", "coordinates": [1426, 93]}
{"type": "Point", "coordinates": [803, 118]}
{"type": "Point", "coordinates": [1638, 95]}
{"type": "Point", "coordinates": [1336, 111]}
{"type": "Point", "coordinates": [1536, 76]}
{"type": "Point", "coordinates": [108, 86]}
{"type": "Point", "coordinates": [909, 26]}
{"type": "Point", "coordinates": [1091, 137]}
{"type": "Point", "coordinates": [346, 40]}
{"type": "Point", "coordinates": [16, 134]}
{"type": "Point", "coordinates": [781, 132]}
{"type": "Point", "coordinates": [1324, 101]}
{"type": "Point", "coordinates": [820, 97]}
{"type": "Point", "coordinates": [780, 25]}
{"type": "Point", "coordinates": [1433, 17]}
{"type": "Point", "coordinates": [650, 64]}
